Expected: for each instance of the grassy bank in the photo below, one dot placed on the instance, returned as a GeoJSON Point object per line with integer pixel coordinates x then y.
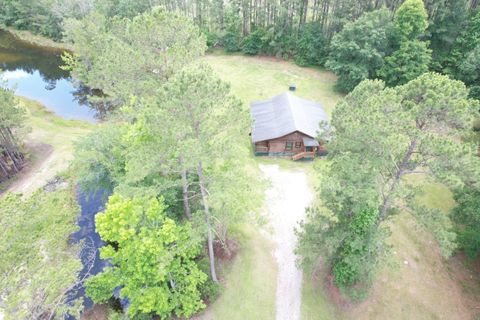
{"type": "Point", "coordinates": [49, 147]}
{"type": "Point", "coordinates": [250, 280]}
{"type": "Point", "coordinates": [37, 40]}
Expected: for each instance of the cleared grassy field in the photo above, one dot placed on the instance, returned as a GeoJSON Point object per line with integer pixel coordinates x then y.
{"type": "Point", "coordinates": [251, 280]}
{"type": "Point", "coordinates": [259, 78]}
{"type": "Point", "coordinates": [426, 286]}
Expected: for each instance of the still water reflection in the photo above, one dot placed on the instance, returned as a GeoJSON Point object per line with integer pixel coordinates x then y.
{"type": "Point", "coordinates": [35, 73]}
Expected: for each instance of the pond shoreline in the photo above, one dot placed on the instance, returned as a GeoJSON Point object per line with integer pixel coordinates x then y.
{"type": "Point", "coordinates": [49, 152]}
{"type": "Point", "coordinates": [35, 72]}
{"type": "Point", "coordinates": [38, 40]}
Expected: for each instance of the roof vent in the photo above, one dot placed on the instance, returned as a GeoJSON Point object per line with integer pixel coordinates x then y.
{"type": "Point", "coordinates": [292, 87]}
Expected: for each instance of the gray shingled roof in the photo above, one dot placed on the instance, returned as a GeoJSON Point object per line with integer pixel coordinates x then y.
{"type": "Point", "coordinates": [285, 114]}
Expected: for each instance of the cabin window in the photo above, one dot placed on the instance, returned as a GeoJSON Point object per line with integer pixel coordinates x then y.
{"type": "Point", "coordinates": [298, 145]}
{"type": "Point", "coordinates": [289, 145]}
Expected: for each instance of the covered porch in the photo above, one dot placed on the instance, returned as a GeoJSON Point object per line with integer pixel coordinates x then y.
{"type": "Point", "coordinates": [311, 147]}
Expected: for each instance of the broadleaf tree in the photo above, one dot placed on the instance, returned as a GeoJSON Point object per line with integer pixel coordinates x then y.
{"type": "Point", "coordinates": [445, 24]}
{"type": "Point", "coordinates": [357, 52]}
{"type": "Point", "coordinates": [411, 20]}
{"type": "Point", "coordinates": [412, 56]}
{"type": "Point", "coordinates": [408, 62]}
{"type": "Point", "coordinates": [152, 259]}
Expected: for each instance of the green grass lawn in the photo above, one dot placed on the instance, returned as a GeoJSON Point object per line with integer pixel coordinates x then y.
{"type": "Point", "coordinates": [316, 304]}
{"type": "Point", "coordinates": [254, 78]}
{"type": "Point", "coordinates": [251, 279]}
{"type": "Point", "coordinates": [426, 287]}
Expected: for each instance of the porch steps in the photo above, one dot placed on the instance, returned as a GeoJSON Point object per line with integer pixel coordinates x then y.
{"type": "Point", "coordinates": [302, 155]}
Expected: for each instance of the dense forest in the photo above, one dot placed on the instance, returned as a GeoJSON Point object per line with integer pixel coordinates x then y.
{"type": "Point", "coordinates": [337, 34]}
{"type": "Point", "coordinates": [175, 157]}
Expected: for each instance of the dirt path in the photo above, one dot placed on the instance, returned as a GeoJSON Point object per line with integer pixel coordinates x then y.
{"type": "Point", "coordinates": [286, 200]}
{"type": "Point", "coordinates": [34, 174]}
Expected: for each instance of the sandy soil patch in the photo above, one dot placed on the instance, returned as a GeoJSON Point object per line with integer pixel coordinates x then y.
{"type": "Point", "coordinates": [37, 171]}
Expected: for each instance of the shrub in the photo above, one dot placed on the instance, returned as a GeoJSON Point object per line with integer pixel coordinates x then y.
{"type": "Point", "coordinates": [213, 38]}
{"type": "Point", "coordinates": [209, 290]}
{"type": "Point", "coordinates": [467, 218]}
{"type": "Point", "coordinates": [358, 257]}
{"type": "Point", "coordinates": [231, 41]}
{"type": "Point", "coordinates": [256, 42]}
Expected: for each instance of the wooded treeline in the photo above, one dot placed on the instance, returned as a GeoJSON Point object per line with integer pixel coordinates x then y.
{"type": "Point", "coordinates": [310, 32]}
{"type": "Point", "coordinates": [12, 119]}
{"type": "Point", "coordinates": [228, 23]}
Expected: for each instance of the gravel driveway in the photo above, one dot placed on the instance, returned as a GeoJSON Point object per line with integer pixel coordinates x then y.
{"type": "Point", "coordinates": [286, 200]}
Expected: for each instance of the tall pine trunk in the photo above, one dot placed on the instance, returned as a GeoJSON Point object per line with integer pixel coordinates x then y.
{"type": "Point", "coordinates": [401, 168]}
{"type": "Point", "coordinates": [211, 253]}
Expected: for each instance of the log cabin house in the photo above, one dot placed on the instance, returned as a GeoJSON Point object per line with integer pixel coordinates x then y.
{"type": "Point", "coordinates": [287, 126]}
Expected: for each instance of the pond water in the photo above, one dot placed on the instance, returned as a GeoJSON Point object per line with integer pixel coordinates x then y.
{"type": "Point", "coordinates": [90, 205]}
{"type": "Point", "coordinates": [35, 73]}
{"type": "Point", "coordinates": [92, 264]}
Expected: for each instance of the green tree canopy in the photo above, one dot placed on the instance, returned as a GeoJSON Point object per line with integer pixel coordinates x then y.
{"type": "Point", "coordinates": [185, 142]}
{"type": "Point", "coordinates": [204, 118]}
{"type": "Point", "coordinates": [412, 57]}
{"type": "Point", "coordinates": [12, 130]}
{"type": "Point", "coordinates": [312, 46]}
{"type": "Point", "coordinates": [38, 265]}
{"type": "Point", "coordinates": [100, 158]}
{"type": "Point", "coordinates": [468, 39]}
{"type": "Point", "coordinates": [407, 63]}
{"type": "Point", "coordinates": [411, 20]}
{"type": "Point", "coordinates": [152, 259]}
{"type": "Point", "coordinates": [125, 57]}
{"type": "Point", "coordinates": [358, 51]}
{"type": "Point", "coordinates": [380, 136]}
{"type": "Point", "coordinates": [463, 62]}
{"type": "Point", "coordinates": [470, 67]}
{"type": "Point", "coordinates": [446, 23]}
